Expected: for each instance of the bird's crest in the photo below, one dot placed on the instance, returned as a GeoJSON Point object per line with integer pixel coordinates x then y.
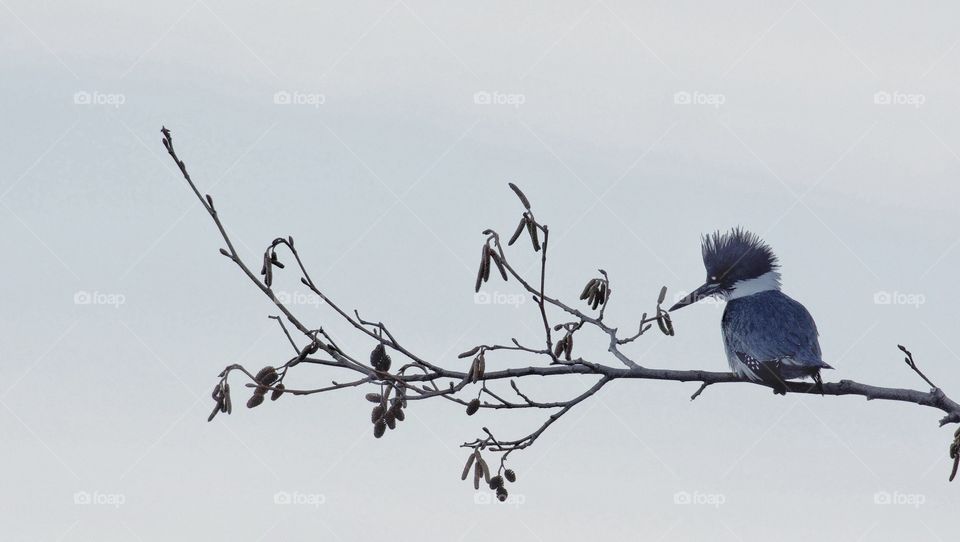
{"type": "Point", "coordinates": [736, 255]}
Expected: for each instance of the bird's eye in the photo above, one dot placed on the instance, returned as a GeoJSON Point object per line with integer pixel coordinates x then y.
{"type": "Point", "coordinates": [713, 278]}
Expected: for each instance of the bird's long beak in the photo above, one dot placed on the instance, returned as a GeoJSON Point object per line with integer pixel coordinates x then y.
{"type": "Point", "coordinates": [702, 292]}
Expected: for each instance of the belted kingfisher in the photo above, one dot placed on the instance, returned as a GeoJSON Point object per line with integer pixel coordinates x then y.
{"type": "Point", "coordinates": [769, 338]}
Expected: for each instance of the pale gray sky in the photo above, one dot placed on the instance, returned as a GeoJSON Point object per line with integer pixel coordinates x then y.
{"type": "Point", "coordinates": [831, 130]}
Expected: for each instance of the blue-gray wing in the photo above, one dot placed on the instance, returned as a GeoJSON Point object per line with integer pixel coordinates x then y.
{"type": "Point", "coordinates": [771, 326]}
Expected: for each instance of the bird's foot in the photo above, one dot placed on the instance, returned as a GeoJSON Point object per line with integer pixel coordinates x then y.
{"type": "Point", "coordinates": [818, 381]}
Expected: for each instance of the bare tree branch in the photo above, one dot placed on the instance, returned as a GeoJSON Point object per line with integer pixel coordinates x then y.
{"type": "Point", "coordinates": [419, 379]}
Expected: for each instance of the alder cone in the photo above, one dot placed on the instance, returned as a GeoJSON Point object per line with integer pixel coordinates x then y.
{"type": "Point", "coordinates": [266, 376]}
{"type": "Point", "coordinates": [379, 359]}
{"type": "Point", "coordinates": [255, 400]}
{"type": "Point", "coordinates": [376, 414]}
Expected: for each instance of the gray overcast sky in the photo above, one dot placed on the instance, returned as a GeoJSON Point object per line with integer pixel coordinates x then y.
{"type": "Point", "coordinates": [831, 130]}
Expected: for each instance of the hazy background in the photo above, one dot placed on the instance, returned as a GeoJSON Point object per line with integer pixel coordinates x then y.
{"type": "Point", "coordinates": [118, 313]}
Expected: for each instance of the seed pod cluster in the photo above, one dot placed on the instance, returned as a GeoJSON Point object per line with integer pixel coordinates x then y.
{"type": "Point", "coordinates": [527, 222]}
{"type": "Point", "coordinates": [487, 256]}
{"type": "Point", "coordinates": [533, 231]}
{"type": "Point", "coordinates": [477, 368]}
{"type": "Point", "coordinates": [379, 359]}
{"type": "Point", "coordinates": [221, 394]}
{"type": "Point", "coordinates": [596, 292]}
{"type": "Point", "coordinates": [498, 484]}
{"type": "Point", "coordinates": [270, 261]}
{"type": "Point", "coordinates": [480, 469]}
{"type": "Point", "coordinates": [955, 453]}
{"type": "Point", "coordinates": [664, 322]}
{"type": "Point", "coordinates": [473, 406]}
{"type": "Point", "coordinates": [386, 413]}
{"type": "Point", "coordinates": [483, 273]}
{"type": "Point", "coordinates": [265, 377]}
{"type": "Point", "coordinates": [564, 346]}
